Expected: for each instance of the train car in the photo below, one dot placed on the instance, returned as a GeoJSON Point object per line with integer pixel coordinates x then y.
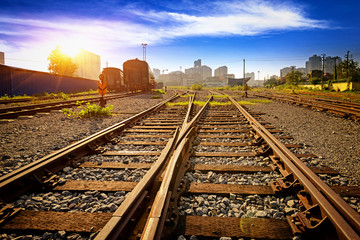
{"type": "Point", "coordinates": [138, 75]}
{"type": "Point", "coordinates": [114, 79]}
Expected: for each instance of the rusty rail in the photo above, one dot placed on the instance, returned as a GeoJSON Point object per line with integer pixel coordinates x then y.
{"type": "Point", "coordinates": [344, 218]}
{"type": "Point", "coordinates": [155, 222]}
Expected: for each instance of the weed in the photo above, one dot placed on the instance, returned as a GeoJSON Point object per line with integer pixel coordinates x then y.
{"type": "Point", "coordinates": [177, 103]}
{"type": "Point", "coordinates": [245, 103]}
{"type": "Point", "coordinates": [155, 97]}
{"type": "Point", "coordinates": [197, 87]}
{"type": "Point", "coordinates": [159, 91]}
{"type": "Point", "coordinates": [220, 103]}
{"type": "Point", "coordinates": [89, 110]}
{"type": "Point", "coordinates": [260, 101]}
{"type": "Point", "coordinates": [94, 110]}
{"type": "Point", "coordinates": [67, 111]}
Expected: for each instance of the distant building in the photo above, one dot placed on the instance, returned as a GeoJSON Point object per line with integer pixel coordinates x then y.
{"type": "Point", "coordinates": [232, 82]}
{"type": "Point", "coordinates": [221, 72]}
{"type": "Point", "coordinates": [89, 65]}
{"type": "Point", "coordinates": [314, 63]}
{"type": "Point", "coordinates": [177, 78]}
{"type": "Point", "coordinates": [213, 82]}
{"type": "Point", "coordinates": [330, 64]}
{"type": "Point", "coordinates": [2, 58]}
{"type": "Point", "coordinates": [287, 70]}
{"type": "Point", "coordinates": [197, 63]}
{"type": "Point", "coordinates": [199, 72]}
{"type": "Point", "coordinates": [251, 75]}
{"type": "Point", "coordinates": [156, 73]}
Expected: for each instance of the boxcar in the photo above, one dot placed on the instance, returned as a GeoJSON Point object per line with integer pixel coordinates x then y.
{"type": "Point", "coordinates": [137, 75]}
{"type": "Point", "coordinates": [114, 79]}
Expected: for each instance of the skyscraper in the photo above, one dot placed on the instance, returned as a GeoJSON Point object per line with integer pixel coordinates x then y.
{"type": "Point", "coordinates": [315, 63]}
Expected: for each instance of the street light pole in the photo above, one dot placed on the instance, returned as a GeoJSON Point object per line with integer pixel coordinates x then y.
{"type": "Point", "coordinates": [243, 72]}
{"type": "Point", "coordinates": [144, 51]}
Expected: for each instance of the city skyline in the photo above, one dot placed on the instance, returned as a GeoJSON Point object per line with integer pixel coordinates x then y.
{"type": "Point", "coordinates": [270, 36]}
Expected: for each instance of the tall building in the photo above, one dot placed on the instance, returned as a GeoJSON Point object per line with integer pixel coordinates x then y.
{"type": "Point", "coordinates": [330, 64]}
{"type": "Point", "coordinates": [197, 63]}
{"type": "Point", "coordinates": [2, 58]}
{"type": "Point", "coordinates": [89, 65]}
{"type": "Point", "coordinates": [315, 63]}
{"type": "Point", "coordinates": [156, 73]}
{"type": "Point", "coordinates": [199, 73]}
{"type": "Point", "coordinates": [221, 72]}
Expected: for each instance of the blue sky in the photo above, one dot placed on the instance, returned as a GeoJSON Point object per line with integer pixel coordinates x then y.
{"type": "Point", "coordinates": [269, 34]}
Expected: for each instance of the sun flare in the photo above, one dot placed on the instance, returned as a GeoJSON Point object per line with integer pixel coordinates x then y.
{"type": "Point", "coordinates": [69, 49]}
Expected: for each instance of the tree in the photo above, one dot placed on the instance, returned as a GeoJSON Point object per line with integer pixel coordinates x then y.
{"type": "Point", "coordinates": [61, 63]}
{"type": "Point", "coordinates": [293, 77]}
{"type": "Point", "coordinates": [349, 70]}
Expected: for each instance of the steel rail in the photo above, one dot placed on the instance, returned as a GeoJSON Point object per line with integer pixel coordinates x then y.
{"type": "Point", "coordinates": [13, 112]}
{"type": "Point", "coordinates": [127, 209]}
{"type": "Point", "coordinates": [29, 175]}
{"type": "Point", "coordinates": [352, 110]}
{"type": "Point", "coordinates": [117, 224]}
{"type": "Point", "coordinates": [312, 183]}
{"type": "Point", "coordinates": [154, 225]}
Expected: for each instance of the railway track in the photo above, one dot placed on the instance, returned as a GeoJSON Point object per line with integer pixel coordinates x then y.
{"type": "Point", "coordinates": [28, 110]}
{"type": "Point", "coordinates": [212, 171]}
{"type": "Point", "coordinates": [338, 107]}
{"type": "Point", "coordinates": [43, 98]}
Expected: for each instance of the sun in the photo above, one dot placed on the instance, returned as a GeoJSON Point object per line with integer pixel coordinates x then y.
{"type": "Point", "coordinates": [69, 49]}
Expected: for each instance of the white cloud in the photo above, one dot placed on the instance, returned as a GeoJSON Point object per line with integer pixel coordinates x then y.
{"type": "Point", "coordinates": [241, 18]}
{"type": "Point", "coordinates": [106, 37]}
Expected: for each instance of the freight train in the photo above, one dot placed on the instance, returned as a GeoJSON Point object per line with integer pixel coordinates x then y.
{"type": "Point", "coordinates": [136, 75]}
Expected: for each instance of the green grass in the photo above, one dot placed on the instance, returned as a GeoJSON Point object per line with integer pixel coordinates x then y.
{"type": "Point", "coordinates": [177, 103]}
{"type": "Point", "coordinates": [220, 103]}
{"type": "Point", "coordinates": [7, 97]}
{"type": "Point", "coordinates": [260, 101]}
{"type": "Point", "coordinates": [159, 91]}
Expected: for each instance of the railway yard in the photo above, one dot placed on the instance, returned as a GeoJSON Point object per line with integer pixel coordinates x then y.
{"type": "Point", "coordinates": [214, 169]}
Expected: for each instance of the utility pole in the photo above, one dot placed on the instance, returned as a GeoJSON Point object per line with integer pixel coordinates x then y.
{"type": "Point", "coordinates": [244, 72]}
{"type": "Point", "coordinates": [144, 51]}
{"type": "Point", "coordinates": [335, 68]}
{"type": "Point", "coordinates": [347, 70]}
{"type": "Point", "coordinates": [347, 64]}
{"type": "Point", "coordinates": [323, 71]}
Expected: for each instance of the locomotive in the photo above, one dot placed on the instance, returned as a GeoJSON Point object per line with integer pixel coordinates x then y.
{"type": "Point", "coordinates": [136, 75]}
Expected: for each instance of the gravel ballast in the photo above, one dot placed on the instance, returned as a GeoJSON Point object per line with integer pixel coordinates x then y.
{"type": "Point", "coordinates": [23, 141]}
{"type": "Point", "coordinates": [333, 139]}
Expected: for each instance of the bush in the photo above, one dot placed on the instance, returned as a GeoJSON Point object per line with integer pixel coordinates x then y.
{"type": "Point", "coordinates": [196, 87]}
{"type": "Point", "coordinates": [94, 110]}
{"type": "Point", "coordinates": [89, 110]}
{"type": "Point", "coordinates": [315, 80]}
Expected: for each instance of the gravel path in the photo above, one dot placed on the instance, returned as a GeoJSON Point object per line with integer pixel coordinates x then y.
{"type": "Point", "coordinates": [335, 140]}
{"type": "Point", "coordinates": [26, 140]}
